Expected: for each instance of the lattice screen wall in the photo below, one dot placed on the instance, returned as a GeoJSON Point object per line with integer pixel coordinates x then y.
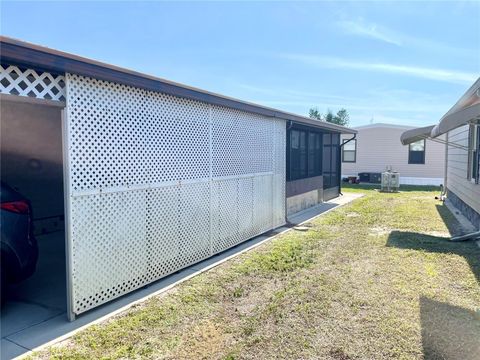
{"type": "Point", "coordinates": [27, 82]}
{"type": "Point", "coordinates": [157, 183]}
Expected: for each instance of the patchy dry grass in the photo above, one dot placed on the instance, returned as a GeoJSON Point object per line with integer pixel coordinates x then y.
{"type": "Point", "coordinates": [376, 279]}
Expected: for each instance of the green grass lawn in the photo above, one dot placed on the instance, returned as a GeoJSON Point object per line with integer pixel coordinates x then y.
{"type": "Point", "coordinates": [376, 279]}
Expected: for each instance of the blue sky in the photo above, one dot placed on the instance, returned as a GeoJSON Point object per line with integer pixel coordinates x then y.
{"type": "Point", "coordinates": [395, 62]}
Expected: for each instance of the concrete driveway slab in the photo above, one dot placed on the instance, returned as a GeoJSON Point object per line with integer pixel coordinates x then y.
{"type": "Point", "coordinates": [10, 350]}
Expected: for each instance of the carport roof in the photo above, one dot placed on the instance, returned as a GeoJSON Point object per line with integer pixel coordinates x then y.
{"type": "Point", "coordinates": [39, 57]}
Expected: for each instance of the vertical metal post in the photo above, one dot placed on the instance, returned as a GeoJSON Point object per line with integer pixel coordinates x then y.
{"type": "Point", "coordinates": [67, 215]}
{"type": "Point", "coordinates": [273, 180]}
{"type": "Point", "coordinates": [210, 174]}
{"type": "Point", "coordinates": [340, 147]}
{"type": "Point", "coordinates": [446, 165]}
{"type": "Point", "coordinates": [288, 125]}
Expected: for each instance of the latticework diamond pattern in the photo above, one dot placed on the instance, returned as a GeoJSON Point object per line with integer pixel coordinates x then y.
{"type": "Point", "coordinates": [27, 82]}
{"type": "Point", "coordinates": [158, 182]}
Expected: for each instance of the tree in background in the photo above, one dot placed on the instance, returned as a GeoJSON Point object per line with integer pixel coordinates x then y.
{"type": "Point", "coordinates": [329, 116]}
{"type": "Point", "coordinates": [341, 118]}
{"type": "Point", "coordinates": [314, 113]}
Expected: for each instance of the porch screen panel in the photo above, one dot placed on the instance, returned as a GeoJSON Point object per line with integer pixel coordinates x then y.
{"type": "Point", "coordinates": [156, 183]}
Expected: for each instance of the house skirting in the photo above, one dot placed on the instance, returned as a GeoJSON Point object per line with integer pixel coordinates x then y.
{"type": "Point", "coordinates": [420, 181]}
{"type": "Point", "coordinates": [304, 193]}
{"type": "Point", "coordinates": [412, 180]}
{"type": "Point", "coordinates": [304, 201]}
{"type": "Point", "coordinates": [465, 209]}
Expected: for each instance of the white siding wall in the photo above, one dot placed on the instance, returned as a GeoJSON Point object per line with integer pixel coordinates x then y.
{"type": "Point", "coordinates": [457, 181]}
{"type": "Point", "coordinates": [379, 147]}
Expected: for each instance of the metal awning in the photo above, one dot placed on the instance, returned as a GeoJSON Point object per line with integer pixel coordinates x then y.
{"type": "Point", "coordinates": [469, 115]}
{"type": "Point", "coordinates": [465, 111]}
{"type": "Point", "coordinates": [413, 135]}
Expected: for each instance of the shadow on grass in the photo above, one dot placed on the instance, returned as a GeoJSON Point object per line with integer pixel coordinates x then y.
{"type": "Point", "coordinates": [403, 188]}
{"type": "Point", "coordinates": [450, 221]}
{"type": "Point", "coordinates": [449, 332]}
{"type": "Point", "coordinates": [434, 244]}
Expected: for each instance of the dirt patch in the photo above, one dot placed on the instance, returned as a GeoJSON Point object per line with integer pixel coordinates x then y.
{"type": "Point", "coordinates": [203, 341]}
{"type": "Point", "coordinates": [379, 231]}
{"type": "Point", "coordinates": [254, 295]}
{"type": "Point", "coordinates": [339, 354]}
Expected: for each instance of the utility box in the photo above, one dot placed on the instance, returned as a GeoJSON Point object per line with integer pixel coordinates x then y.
{"type": "Point", "coordinates": [375, 178]}
{"type": "Point", "coordinates": [390, 181]}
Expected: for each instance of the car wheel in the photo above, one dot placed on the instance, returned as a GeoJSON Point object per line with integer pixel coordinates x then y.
{"type": "Point", "coordinates": [3, 284]}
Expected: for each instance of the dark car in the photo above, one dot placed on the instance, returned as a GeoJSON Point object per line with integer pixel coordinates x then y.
{"type": "Point", "coordinates": [19, 249]}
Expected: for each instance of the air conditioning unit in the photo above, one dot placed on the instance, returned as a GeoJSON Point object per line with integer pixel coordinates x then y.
{"type": "Point", "coordinates": [390, 181]}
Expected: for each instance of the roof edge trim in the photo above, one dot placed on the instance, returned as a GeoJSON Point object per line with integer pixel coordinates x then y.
{"type": "Point", "coordinates": [26, 54]}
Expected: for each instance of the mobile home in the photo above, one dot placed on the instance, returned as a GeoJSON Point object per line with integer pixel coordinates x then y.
{"type": "Point", "coordinates": [461, 128]}
{"type": "Point", "coordinates": [376, 148]}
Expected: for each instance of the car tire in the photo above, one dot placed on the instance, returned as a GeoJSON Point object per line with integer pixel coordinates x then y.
{"type": "Point", "coordinates": [3, 285]}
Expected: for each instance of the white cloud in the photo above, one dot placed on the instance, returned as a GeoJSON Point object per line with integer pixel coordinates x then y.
{"type": "Point", "coordinates": [384, 99]}
{"type": "Point", "coordinates": [373, 31]}
{"type": "Point", "coordinates": [445, 75]}
{"type": "Point", "coordinates": [289, 93]}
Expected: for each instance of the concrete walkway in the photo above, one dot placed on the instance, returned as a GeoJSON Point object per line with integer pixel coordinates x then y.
{"type": "Point", "coordinates": [56, 328]}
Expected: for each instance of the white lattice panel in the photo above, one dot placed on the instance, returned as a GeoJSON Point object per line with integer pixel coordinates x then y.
{"type": "Point", "coordinates": [157, 183]}
{"type": "Point", "coordinates": [225, 214]}
{"type": "Point", "coordinates": [242, 142]}
{"type": "Point", "coordinates": [242, 210]}
{"type": "Point", "coordinates": [107, 231]}
{"type": "Point", "coordinates": [126, 136]}
{"type": "Point", "coordinates": [27, 82]}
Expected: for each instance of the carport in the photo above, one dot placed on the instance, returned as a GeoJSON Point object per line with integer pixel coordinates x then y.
{"type": "Point", "coordinates": [132, 178]}
{"type": "Point", "coordinates": [153, 176]}
{"type": "Point", "coordinates": [32, 163]}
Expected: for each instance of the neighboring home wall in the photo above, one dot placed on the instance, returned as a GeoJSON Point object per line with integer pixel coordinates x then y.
{"type": "Point", "coordinates": [378, 146]}
{"type": "Point", "coordinates": [463, 193]}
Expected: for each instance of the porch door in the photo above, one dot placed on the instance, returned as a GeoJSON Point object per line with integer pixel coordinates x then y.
{"type": "Point", "coordinates": [330, 164]}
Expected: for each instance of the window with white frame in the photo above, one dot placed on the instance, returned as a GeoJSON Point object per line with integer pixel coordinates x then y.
{"type": "Point", "coordinates": [349, 151]}
{"type": "Point", "coordinates": [474, 154]}
{"type": "Point", "coordinates": [416, 152]}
